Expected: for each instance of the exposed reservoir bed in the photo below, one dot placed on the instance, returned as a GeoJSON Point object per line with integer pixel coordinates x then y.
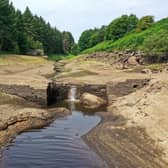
{"type": "Point", "coordinates": [57, 146]}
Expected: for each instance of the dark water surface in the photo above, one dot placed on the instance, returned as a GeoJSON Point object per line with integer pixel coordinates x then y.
{"type": "Point", "coordinates": [56, 146]}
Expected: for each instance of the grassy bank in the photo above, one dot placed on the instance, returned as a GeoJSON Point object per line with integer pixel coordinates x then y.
{"type": "Point", "coordinates": [11, 59]}
{"type": "Point", "coordinates": [57, 57]}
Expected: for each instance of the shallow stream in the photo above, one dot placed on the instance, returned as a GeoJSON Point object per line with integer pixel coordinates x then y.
{"type": "Point", "coordinates": [57, 146]}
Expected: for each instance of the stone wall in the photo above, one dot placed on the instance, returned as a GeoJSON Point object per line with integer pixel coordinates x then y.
{"type": "Point", "coordinates": [124, 57]}
{"type": "Point", "coordinates": [119, 89]}
{"type": "Point", "coordinates": [38, 96]}
{"type": "Point", "coordinates": [59, 91]}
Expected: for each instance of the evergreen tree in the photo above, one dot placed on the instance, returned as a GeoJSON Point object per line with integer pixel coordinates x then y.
{"type": "Point", "coordinates": [6, 25]}
{"type": "Point", "coordinates": [68, 42]}
{"type": "Point", "coordinates": [21, 33]}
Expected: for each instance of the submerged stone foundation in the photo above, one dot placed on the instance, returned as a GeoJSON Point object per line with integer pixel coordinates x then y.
{"type": "Point", "coordinates": [57, 92]}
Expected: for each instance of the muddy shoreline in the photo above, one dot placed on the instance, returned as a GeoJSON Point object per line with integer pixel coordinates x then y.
{"type": "Point", "coordinates": [122, 146]}
{"type": "Point", "coordinates": [20, 123]}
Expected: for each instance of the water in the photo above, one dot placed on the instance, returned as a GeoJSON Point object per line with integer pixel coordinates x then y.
{"type": "Point", "coordinates": [72, 93]}
{"type": "Point", "coordinates": [57, 146]}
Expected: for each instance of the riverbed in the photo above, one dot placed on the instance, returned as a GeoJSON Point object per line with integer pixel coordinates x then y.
{"type": "Point", "coordinates": [57, 146]}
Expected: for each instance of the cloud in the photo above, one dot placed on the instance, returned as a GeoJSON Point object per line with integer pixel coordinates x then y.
{"type": "Point", "coordinates": [78, 15]}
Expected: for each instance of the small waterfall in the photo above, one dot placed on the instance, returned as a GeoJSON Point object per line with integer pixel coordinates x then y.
{"type": "Point", "coordinates": [72, 93]}
{"type": "Point", "coordinates": [72, 97]}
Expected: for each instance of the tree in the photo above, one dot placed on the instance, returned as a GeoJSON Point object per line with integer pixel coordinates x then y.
{"type": "Point", "coordinates": [6, 25]}
{"type": "Point", "coordinates": [24, 32]}
{"type": "Point", "coordinates": [68, 42]}
{"type": "Point", "coordinates": [98, 36]}
{"type": "Point", "coordinates": [75, 50]}
{"type": "Point", "coordinates": [121, 26]}
{"type": "Point", "coordinates": [84, 40]}
{"type": "Point", "coordinates": [144, 23]}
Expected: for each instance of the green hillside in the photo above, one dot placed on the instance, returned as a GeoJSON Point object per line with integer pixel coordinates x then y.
{"type": "Point", "coordinates": [153, 40]}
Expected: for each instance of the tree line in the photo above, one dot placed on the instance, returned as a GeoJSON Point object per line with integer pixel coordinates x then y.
{"type": "Point", "coordinates": [116, 29]}
{"type": "Point", "coordinates": [22, 33]}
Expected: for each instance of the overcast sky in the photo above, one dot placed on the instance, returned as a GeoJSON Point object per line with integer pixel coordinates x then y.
{"type": "Point", "coordinates": [79, 15]}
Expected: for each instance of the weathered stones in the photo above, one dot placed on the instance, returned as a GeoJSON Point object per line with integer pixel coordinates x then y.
{"type": "Point", "coordinates": [59, 66]}
{"type": "Point", "coordinates": [38, 96]}
{"type": "Point", "coordinates": [127, 58]}
{"type": "Point", "coordinates": [3, 125]}
{"type": "Point", "coordinates": [146, 71]}
{"type": "Point", "coordinates": [132, 60]}
{"type": "Point", "coordinates": [59, 91]}
{"type": "Point", "coordinates": [91, 101]}
{"type": "Point", "coordinates": [120, 89]}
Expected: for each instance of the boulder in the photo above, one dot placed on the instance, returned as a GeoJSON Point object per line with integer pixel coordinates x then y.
{"type": "Point", "coordinates": [3, 125]}
{"type": "Point", "coordinates": [91, 101]}
{"type": "Point", "coordinates": [132, 60]}
{"type": "Point", "coordinates": [146, 71]}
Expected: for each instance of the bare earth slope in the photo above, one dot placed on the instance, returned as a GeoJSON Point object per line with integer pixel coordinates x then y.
{"type": "Point", "coordinates": [25, 70]}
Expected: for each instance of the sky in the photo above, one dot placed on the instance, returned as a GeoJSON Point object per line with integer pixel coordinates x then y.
{"type": "Point", "coordinates": [78, 15]}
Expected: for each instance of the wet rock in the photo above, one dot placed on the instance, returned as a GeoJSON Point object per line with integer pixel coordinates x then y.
{"type": "Point", "coordinates": [59, 111]}
{"type": "Point", "coordinates": [91, 101]}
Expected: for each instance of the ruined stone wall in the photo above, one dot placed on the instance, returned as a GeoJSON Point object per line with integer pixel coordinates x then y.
{"type": "Point", "coordinates": [124, 88]}
{"type": "Point", "coordinates": [58, 91]}
{"type": "Point", "coordinates": [119, 89]}
{"type": "Point", "coordinates": [38, 96]}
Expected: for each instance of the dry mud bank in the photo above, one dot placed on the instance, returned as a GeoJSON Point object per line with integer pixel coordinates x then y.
{"type": "Point", "coordinates": [18, 115]}
{"type": "Point", "coordinates": [133, 133]}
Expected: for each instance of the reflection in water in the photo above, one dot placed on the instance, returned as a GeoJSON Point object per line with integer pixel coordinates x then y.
{"type": "Point", "coordinates": [58, 146]}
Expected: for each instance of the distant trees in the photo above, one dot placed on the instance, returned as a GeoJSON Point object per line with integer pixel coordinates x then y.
{"type": "Point", "coordinates": [68, 42]}
{"type": "Point", "coordinates": [23, 32]}
{"type": "Point", "coordinates": [115, 30]}
{"type": "Point", "coordinates": [91, 37]}
{"type": "Point", "coordinates": [84, 40]}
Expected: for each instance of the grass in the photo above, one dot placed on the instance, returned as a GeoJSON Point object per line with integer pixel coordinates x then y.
{"type": "Point", "coordinates": [157, 67]}
{"type": "Point", "coordinates": [82, 73]}
{"type": "Point", "coordinates": [154, 39]}
{"type": "Point", "coordinates": [57, 57]}
{"type": "Point", "coordinates": [9, 59]}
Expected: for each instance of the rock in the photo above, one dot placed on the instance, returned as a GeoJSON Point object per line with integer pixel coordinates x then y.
{"type": "Point", "coordinates": [91, 101]}
{"type": "Point", "coordinates": [3, 125]}
{"type": "Point", "coordinates": [146, 71]}
{"type": "Point", "coordinates": [59, 111]}
{"type": "Point", "coordinates": [119, 66]}
{"type": "Point", "coordinates": [132, 60]}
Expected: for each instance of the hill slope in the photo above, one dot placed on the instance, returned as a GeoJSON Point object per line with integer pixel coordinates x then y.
{"type": "Point", "coordinates": [153, 40]}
